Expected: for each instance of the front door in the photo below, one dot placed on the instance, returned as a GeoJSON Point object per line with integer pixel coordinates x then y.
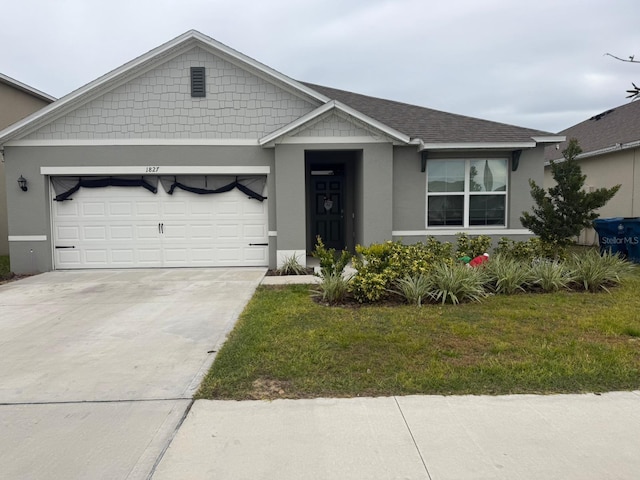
{"type": "Point", "coordinates": [327, 218]}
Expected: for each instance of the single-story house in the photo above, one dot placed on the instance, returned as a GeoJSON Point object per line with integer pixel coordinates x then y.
{"type": "Point", "coordinates": [610, 143]}
{"type": "Point", "coordinates": [194, 154]}
{"type": "Point", "coordinates": [17, 100]}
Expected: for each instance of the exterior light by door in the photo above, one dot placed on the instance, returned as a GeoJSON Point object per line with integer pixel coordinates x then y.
{"type": "Point", "coordinates": [23, 183]}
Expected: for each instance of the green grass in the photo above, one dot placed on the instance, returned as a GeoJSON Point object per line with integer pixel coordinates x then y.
{"type": "Point", "coordinates": [287, 346]}
{"type": "Point", "coordinates": [5, 271]}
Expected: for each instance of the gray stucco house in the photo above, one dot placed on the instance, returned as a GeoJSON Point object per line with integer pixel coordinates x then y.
{"type": "Point", "coordinates": [197, 155]}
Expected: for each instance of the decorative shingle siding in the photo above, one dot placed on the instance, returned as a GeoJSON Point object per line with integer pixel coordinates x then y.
{"type": "Point", "coordinates": [158, 104]}
{"type": "Point", "coordinates": [333, 126]}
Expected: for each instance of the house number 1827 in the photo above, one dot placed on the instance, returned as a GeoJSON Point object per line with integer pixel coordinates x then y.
{"type": "Point", "coordinates": [152, 169]}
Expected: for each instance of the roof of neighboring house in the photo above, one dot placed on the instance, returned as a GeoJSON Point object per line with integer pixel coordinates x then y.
{"type": "Point", "coordinates": [605, 132]}
{"type": "Point", "coordinates": [12, 82]}
{"type": "Point", "coordinates": [432, 126]}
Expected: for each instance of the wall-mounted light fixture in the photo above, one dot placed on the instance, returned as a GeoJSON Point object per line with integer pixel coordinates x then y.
{"type": "Point", "coordinates": [23, 183]}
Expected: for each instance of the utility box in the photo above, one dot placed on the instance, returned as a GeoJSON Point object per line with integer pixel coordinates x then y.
{"type": "Point", "coordinates": [619, 235]}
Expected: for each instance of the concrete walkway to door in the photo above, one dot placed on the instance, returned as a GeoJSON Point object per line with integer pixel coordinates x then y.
{"type": "Point", "coordinates": [98, 367]}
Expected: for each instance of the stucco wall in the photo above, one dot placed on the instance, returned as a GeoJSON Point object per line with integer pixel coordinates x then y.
{"type": "Point", "coordinates": [409, 197]}
{"type": "Point", "coordinates": [158, 104]}
{"type": "Point", "coordinates": [14, 105]}
{"type": "Point", "coordinates": [30, 212]}
{"type": "Point", "coordinates": [605, 171]}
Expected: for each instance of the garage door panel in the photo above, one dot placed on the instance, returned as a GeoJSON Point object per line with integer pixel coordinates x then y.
{"type": "Point", "coordinates": [96, 257]}
{"type": "Point", "coordinates": [128, 227]}
{"type": "Point", "coordinates": [93, 209]}
{"type": "Point", "coordinates": [121, 209]}
{"type": "Point", "coordinates": [121, 232]}
{"type": "Point", "coordinates": [70, 257]}
{"type": "Point", "coordinates": [67, 233]}
{"type": "Point", "coordinates": [122, 256]}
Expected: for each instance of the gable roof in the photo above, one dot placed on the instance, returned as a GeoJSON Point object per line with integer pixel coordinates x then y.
{"type": "Point", "coordinates": [433, 127]}
{"type": "Point", "coordinates": [611, 130]}
{"type": "Point", "coordinates": [12, 82]}
{"type": "Point", "coordinates": [427, 128]}
{"type": "Point", "coordinates": [144, 63]}
{"type": "Point", "coordinates": [335, 106]}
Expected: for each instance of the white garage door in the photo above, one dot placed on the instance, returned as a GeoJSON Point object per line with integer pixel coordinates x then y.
{"type": "Point", "coordinates": [123, 227]}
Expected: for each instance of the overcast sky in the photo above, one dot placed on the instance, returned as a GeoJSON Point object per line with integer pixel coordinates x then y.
{"type": "Point", "coordinates": [537, 64]}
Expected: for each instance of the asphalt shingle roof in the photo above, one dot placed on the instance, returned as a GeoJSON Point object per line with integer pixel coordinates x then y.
{"type": "Point", "coordinates": [606, 129]}
{"type": "Point", "coordinates": [432, 126]}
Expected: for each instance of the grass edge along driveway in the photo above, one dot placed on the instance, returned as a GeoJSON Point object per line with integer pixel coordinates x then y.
{"type": "Point", "coordinates": [287, 346]}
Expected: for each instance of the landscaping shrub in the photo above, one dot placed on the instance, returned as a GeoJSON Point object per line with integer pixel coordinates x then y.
{"type": "Point", "coordinates": [414, 289]}
{"type": "Point", "coordinates": [380, 264]}
{"type": "Point", "coordinates": [330, 263]}
{"type": "Point", "coordinates": [472, 246]}
{"type": "Point", "coordinates": [529, 250]}
{"type": "Point", "coordinates": [592, 271]}
{"type": "Point", "coordinates": [455, 283]}
{"type": "Point", "coordinates": [291, 266]}
{"type": "Point", "coordinates": [507, 275]}
{"type": "Point", "coordinates": [333, 288]}
{"type": "Point", "coordinates": [550, 275]}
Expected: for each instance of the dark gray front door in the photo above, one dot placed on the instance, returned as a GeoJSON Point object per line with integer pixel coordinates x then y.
{"type": "Point", "coordinates": [327, 218]}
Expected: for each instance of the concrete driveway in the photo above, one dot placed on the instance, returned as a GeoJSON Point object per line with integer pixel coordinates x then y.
{"type": "Point", "coordinates": [98, 368]}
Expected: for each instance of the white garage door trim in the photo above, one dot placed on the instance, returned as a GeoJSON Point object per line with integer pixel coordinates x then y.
{"type": "Point", "coordinates": [125, 227]}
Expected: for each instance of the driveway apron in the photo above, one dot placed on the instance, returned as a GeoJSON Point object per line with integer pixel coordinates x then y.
{"type": "Point", "coordinates": [98, 368]}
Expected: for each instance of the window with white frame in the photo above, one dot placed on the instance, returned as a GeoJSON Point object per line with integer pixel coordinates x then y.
{"type": "Point", "coordinates": [467, 192]}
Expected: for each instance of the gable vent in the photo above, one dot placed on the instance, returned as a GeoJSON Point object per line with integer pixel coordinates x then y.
{"type": "Point", "coordinates": [198, 86]}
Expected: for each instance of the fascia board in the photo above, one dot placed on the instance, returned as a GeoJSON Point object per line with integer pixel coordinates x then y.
{"type": "Point", "coordinates": [478, 146]}
{"type": "Point", "coordinates": [335, 105]}
{"type": "Point", "coordinates": [550, 139]}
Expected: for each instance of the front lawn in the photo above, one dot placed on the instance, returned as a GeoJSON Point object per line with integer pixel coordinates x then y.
{"type": "Point", "coordinates": [287, 346]}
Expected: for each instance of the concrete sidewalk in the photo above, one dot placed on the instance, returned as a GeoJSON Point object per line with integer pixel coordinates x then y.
{"type": "Point", "coordinates": [416, 437]}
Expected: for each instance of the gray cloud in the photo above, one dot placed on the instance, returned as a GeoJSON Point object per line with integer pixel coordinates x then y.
{"type": "Point", "coordinates": [539, 65]}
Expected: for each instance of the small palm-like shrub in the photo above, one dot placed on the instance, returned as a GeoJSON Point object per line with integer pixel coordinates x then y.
{"type": "Point", "coordinates": [594, 272]}
{"type": "Point", "coordinates": [550, 275]}
{"type": "Point", "coordinates": [455, 283]}
{"type": "Point", "coordinates": [507, 275]}
{"type": "Point", "coordinates": [414, 289]}
{"type": "Point", "coordinates": [291, 266]}
{"type": "Point", "coordinates": [333, 288]}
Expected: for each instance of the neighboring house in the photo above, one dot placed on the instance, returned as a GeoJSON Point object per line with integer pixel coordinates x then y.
{"type": "Point", "coordinates": [197, 155]}
{"type": "Point", "coordinates": [610, 143]}
{"type": "Point", "coordinates": [17, 101]}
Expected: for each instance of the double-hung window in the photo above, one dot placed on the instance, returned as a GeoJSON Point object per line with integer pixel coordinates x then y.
{"type": "Point", "coordinates": [467, 192]}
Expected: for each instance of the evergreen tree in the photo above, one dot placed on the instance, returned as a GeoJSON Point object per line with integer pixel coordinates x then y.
{"type": "Point", "coordinates": [562, 211]}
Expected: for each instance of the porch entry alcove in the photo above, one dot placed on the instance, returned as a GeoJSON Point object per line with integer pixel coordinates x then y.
{"type": "Point", "coordinates": [330, 188]}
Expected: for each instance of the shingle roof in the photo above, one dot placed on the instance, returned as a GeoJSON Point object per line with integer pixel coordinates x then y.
{"type": "Point", "coordinates": [432, 126]}
{"type": "Point", "coordinates": [618, 125]}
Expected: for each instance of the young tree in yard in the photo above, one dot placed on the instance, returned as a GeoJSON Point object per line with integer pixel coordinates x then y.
{"type": "Point", "coordinates": [562, 211]}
